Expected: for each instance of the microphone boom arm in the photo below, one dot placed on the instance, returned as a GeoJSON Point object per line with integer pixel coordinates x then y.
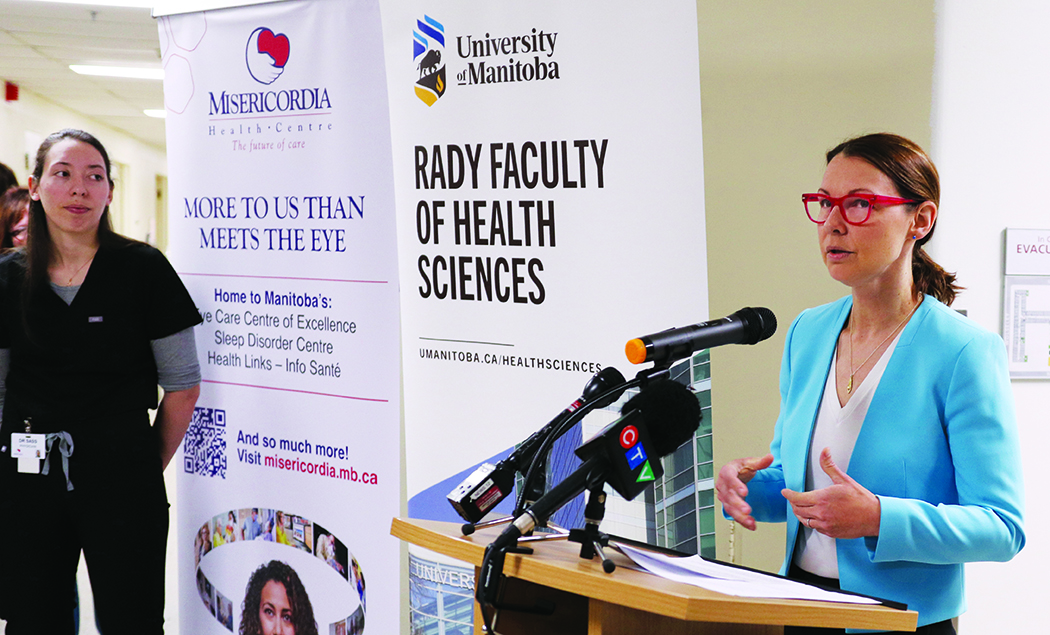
{"type": "Point", "coordinates": [556, 434]}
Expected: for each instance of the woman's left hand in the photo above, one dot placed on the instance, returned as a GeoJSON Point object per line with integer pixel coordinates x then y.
{"type": "Point", "coordinates": [843, 510]}
{"type": "Point", "coordinates": [173, 419]}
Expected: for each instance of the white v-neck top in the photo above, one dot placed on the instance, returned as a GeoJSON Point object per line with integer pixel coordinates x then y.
{"type": "Point", "coordinates": [837, 428]}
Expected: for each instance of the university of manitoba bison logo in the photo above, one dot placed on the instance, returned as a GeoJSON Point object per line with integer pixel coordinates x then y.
{"type": "Point", "coordinates": [428, 47]}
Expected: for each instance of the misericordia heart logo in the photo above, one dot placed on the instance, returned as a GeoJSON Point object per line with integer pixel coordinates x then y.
{"type": "Point", "coordinates": [266, 55]}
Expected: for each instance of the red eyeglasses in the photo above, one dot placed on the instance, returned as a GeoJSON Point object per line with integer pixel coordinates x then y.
{"type": "Point", "coordinates": [856, 208]}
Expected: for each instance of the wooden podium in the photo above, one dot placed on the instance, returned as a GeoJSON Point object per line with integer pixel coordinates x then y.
{"type": "Point", "coordinates": [627, 601]}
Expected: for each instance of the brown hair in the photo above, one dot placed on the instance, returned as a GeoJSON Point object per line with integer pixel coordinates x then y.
{"type": "Point", "coordinates": [39, 247]}
{"type": "Point", "coordinates": [13, 206]}
{"type": "Point", "coordinates": [281, 573]}
{"type": "Point", "coordinates": [8, 179]}
{"type": "Point", "coordinates": [915, 177]}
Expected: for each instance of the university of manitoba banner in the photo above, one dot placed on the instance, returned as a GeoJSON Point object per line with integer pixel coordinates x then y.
{"type": "Point", "coordinates": [283, 228]}
{"type": "Point", "coordinates": [548, 170]}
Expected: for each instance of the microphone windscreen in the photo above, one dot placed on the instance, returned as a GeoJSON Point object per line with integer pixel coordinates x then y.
{"type": "Point", "coordinates": [605, 379]}
{"type": "Point", "coordinates": [671, 413]}
{"type": "Point", "coordinates": [759, 322]}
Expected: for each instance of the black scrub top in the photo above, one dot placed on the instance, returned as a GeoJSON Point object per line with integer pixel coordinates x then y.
{"type": "Point", "coordinates": [91, 359]}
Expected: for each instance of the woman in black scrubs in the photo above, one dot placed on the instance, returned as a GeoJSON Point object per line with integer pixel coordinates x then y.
{"type": "Point", "coordinates": [90, 323]}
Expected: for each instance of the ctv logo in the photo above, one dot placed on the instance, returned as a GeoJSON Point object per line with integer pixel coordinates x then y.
{"type": "Point", "coordinates": [266, 55]}
{"type": "Point", "coordinates": [635, 454]}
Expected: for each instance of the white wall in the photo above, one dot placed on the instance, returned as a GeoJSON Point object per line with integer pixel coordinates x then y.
{"type": "Point", "coordinates": [776, 95]}
{"type": "Point", "coordinates": [765, 128]}
{"type": "Point", "coordinates": [39, 118]}
{"type": "Point", "coordinates": [990, 138]}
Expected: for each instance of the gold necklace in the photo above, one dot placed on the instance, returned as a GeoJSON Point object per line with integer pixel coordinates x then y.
{"type": "Point", "coordinates": [852, 372]}
{"type": "Point", "coordinates": [79, 269]}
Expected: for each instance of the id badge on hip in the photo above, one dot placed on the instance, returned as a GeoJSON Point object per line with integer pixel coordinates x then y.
{"type": "Point", "coordinates": [28, 449]}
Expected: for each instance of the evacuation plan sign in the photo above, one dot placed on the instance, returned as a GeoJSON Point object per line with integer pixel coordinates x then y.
{"type": "Point", "coordinates": [1026, 303]}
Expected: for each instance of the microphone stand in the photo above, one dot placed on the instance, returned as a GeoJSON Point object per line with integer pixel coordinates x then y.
{"type": "Point", "coordinates": [641, 379]}
{"type": "Point", "coordinates": [591, 539]}
{"type": "Point", "coordinates": [534, 478]}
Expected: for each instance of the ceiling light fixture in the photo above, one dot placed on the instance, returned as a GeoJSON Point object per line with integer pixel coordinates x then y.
{"type": "Point", "coordinates": [132, 72]}
{"type": "Point", "coordinates": [140, 4]}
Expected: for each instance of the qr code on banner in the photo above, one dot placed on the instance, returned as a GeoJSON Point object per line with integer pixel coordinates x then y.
{"type": "Point", "coordinates": [204, 447]}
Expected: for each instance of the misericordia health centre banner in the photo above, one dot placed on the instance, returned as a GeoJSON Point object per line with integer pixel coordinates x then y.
{"type": "Point", "coordinates": [549, 177]}
{"type": "Point", "coordinates": [283, 229]}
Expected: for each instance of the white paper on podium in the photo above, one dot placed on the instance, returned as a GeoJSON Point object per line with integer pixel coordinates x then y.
{"type": "Point", "coordinates": [713, 576]}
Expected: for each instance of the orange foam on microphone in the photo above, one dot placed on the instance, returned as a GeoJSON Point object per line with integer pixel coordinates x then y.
{"type": "Point", "coordinates": [635, 350]}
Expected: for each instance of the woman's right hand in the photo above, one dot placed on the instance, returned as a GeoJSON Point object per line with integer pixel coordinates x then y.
{"type": "Point", "coordinates": [731, 487]}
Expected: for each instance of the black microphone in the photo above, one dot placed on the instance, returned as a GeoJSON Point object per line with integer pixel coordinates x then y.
{"type": "Point", "coordinates": [625, 454]}
{"type": "Point", "coordinates": [490, 484]}
{"type": "Point", "coordinates": [746, 326]}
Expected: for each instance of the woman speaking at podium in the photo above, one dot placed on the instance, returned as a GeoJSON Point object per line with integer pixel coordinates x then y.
{"type": "Point", "coordinates": [895, 457]}
{"type": "Point", "coordinates": [90, 323]}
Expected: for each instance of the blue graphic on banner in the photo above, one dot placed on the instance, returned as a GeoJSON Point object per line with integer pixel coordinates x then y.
{"type": "Point", "coordinates": [432, 503]}
{"type": "Point", "coordinates": [433, 28]}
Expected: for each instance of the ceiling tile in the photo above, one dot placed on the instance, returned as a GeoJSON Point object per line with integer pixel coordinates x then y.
{"type": "Point", "coordinates": [38, 41]}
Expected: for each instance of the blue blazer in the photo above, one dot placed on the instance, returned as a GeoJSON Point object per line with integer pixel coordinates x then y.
{"type": "Point", "coordinates": [938, 447]}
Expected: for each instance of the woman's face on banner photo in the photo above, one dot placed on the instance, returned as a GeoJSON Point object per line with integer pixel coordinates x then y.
{"type": "Point", "coordinates": [275, 612]}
